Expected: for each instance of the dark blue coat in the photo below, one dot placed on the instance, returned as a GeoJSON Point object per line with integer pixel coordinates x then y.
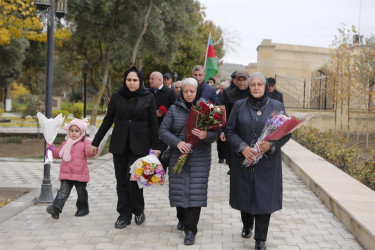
{"type": "Point", "coordinates": [209, 93]}
{"type": "Point", "coordinates": [256, 189]}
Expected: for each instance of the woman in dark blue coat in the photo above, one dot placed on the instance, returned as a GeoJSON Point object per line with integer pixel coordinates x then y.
{"type": "Point", "coordinates": [255, 190]}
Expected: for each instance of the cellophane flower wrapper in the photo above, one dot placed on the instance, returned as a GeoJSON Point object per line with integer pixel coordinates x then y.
{"type": "Point", "coordinates": [50, 128]}
{"type": "Point", "coordinates": [202, 116]}
{"type": "Point", "coordinates": [277, 127]}
{"type": "Point", "coordinates": [147, 171]}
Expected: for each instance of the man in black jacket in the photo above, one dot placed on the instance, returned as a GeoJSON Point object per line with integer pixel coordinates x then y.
{"type": "Point", "coordinates": [208, 92]}
{"type": "Point", "coordinates": [164, 98]}
{"type": "Point", "coordinates": [230, 96]}
{"type": "Point", "coordinates": [273, 93]}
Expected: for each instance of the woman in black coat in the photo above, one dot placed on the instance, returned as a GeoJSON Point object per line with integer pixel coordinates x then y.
{"type": "Point", "coordinates": [133, 111]}
{"type": "Point", "coordinates": [255, 190]}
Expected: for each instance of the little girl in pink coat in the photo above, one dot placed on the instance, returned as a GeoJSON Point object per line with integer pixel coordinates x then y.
{"type": "Point", "coordinates": [73, 170]}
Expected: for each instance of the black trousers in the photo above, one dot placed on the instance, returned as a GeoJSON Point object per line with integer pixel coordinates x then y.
{"type": "Point", "coordinates": [64, 192]}
{"type": "Point", "coordinates": [189, 218]}
{"type": "Point", "coordinates": [221, 149]}
{"type": "Point", "coordinates": [262, 221]}
{"type": "Point", "coordinates": [129, 196]}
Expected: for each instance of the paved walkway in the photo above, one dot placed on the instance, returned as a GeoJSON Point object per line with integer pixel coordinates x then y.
{"type": "Point", "coordinates": [304, 222]}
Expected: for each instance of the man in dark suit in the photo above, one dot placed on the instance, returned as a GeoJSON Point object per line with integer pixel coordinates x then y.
{"type": "Point", "coordinates": [208, 92]}
{"type": "Point", "coordinates": [164, 96]}
{"type": "Point", "coordinates": [273, 93]}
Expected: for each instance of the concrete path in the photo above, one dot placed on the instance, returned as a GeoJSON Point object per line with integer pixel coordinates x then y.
{"type": "Point", "coordinates": [304, 222]}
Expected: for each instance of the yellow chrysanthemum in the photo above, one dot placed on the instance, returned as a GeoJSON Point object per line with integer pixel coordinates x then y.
{"type": "Point", "coordinates": [139, 171]}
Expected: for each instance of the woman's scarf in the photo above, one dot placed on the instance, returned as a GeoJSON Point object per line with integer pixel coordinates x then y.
{"type": "Point", "coordinates": [125, 91]}
{"type": "Point", "coordinates": [65, 150]}
{"type": "Point", "coordinates": [259, 103]}
{"type": "Point", "coordinates": [197, 97]}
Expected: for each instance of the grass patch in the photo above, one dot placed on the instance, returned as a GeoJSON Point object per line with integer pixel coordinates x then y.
{"type": "Point", "coordinates": [14, 139]}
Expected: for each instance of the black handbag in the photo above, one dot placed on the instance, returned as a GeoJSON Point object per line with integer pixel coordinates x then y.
{"type": "Point", "coordinates": [164, 159]}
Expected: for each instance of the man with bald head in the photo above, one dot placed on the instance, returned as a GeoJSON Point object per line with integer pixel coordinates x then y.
{"type": "Point", "coordinates": [164, 96]}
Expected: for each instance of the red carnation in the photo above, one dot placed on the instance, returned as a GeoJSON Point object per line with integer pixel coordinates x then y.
{"type": "Point", "coordinates": [217, 116]}
{"type": "Point", "coordinates": [146, 176]}
{"type": "Point", "coordinates": [163, 110]}
{"type": "Point", "coordinates": [204, 107]}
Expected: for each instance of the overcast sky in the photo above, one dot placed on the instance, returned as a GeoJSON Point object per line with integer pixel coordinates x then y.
{"type": "Point", "coordinates": [246, 23]}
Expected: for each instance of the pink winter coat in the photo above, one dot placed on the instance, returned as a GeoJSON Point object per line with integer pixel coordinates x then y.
{"type": "Point", "coordinates": [76, 169]}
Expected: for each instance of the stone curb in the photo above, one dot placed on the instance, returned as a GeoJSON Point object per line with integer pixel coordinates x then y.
{"type": "Point", "coordinates": [349, 200]}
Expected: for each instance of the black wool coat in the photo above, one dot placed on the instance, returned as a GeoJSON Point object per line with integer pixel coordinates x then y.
{"type": "Point", "coordinates": [141, 126]}
{"type": "Point", "coordinates": [256, 189]}
{"type": "Point", "coordinates": [166, 97]}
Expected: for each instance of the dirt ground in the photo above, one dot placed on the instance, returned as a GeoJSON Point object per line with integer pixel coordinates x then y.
{"type": "Point", "coordinates": [29, 148]}
{"type": "Point", "coordinates": [12, 195]}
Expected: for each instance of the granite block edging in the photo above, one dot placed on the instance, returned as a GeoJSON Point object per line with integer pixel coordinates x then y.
{"type": "Point", "coordinates": [349, 200]}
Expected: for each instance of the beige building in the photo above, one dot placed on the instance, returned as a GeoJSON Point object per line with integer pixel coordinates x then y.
{"type": "Point", "coordinates": [298, 71]}
{"type": "Point", "coordinates": [301, 77]}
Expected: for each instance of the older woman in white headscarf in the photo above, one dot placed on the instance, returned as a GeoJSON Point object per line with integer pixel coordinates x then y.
{"type": "Point", "coordinates": [188, 190]}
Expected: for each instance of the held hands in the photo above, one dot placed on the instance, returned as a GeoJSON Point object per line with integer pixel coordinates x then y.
{"type": "Point", "coordinates": [222, 136]}
{"type": "Point", "coordinates": [250, 154]}
{"type": "Point", "coordinates": [184, 147]}
{"type": "Point", "coordinates": [199, 133]}
{"type": "Point", "coordinates": [158, 113]}
{"type": "Point", "coordinates": [264, 146]}
{"type": "Point", "coordinates": [93, 150]}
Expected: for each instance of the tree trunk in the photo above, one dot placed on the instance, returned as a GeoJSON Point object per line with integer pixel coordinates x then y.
{"type": "Point", "coordinates": [102, 87]}
{"type": "Point", "coordinates": [8, 98]}
{"type": "Point", "coordinates": [139, 39]}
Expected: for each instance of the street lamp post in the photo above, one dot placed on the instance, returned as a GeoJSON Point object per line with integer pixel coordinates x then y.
{"type": "Point", "coordinates": [175, 76]}
{"type": "Point", "coordinates": [46, 188]}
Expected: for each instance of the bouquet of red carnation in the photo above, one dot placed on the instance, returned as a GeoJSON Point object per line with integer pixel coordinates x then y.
{"type": "Point", "coordinates": [163, 110]}
{"type": "Point", "coordinates": [277, 127]}
{"type": "Point", "coordinates": [202, 116]}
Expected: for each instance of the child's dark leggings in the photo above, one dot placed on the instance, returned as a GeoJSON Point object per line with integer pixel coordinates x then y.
{"type": "Point", "coordinates": [64, 192]}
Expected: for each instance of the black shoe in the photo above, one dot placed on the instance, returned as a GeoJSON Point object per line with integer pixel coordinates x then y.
{"type": "Point", "coordinates": [260, 245]}
{"type": "Point", "coordinates": [121, 222]}
{"type": "Point", "coordinates": [228, 173]}
{"type": "Point", "coordinates": [53, 211]}
{"type": "Point", "coordinates": [140, 219]}
{"type": "Point", "coordinates": [180, 226]}
{"type": "Point", "coordinates": [221, 161]}
{"type": "Point", "coordinates": [246, 232]}
{"type": "Point", "coordinates": [81, 213]}
{"type": "Point", "coordinates": [189, 238]}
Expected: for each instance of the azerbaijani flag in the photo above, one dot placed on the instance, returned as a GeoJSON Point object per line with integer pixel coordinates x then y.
{"type": "Point", "coordinates": [210, 63]}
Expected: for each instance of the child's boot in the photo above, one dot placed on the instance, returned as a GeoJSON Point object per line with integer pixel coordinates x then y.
{"type": "Point", "coordinates": [53, 211]}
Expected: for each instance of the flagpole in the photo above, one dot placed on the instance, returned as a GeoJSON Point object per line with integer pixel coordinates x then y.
{"type": "Point", "coordinates": [205, 58]}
